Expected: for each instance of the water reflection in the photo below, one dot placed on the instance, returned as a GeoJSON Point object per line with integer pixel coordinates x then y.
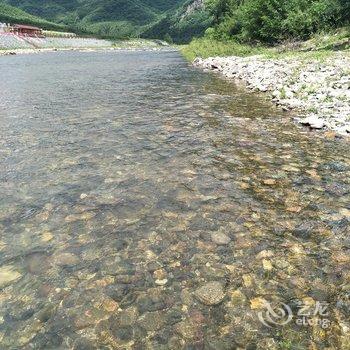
{"type": "Point", "coordinates": [129, 180]}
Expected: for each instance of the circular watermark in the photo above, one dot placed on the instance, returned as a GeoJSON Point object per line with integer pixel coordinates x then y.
{"type": "Point", "coordinates": [279, 315]}
{"type": "Point", "coordinates": [307, 315]}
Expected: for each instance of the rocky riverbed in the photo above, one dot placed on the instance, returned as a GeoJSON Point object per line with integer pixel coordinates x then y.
{"type": "Point", "coordinates": [320, 90]}
{"type": "Point", "coordinates": [136, 215]}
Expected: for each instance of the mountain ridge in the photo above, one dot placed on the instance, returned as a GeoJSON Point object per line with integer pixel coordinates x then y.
{"type": "Point", "coordinates": [173, 20]}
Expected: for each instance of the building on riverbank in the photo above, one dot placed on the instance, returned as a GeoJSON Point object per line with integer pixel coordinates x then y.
{"type": "Point", "coordinates": [31, 31]}
{"type": "Point", "coordinates": [19, 36]}
{"type": "Point", "coordinates": [25, 30]}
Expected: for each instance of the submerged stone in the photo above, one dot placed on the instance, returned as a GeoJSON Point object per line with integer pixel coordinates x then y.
{"type": "Point", "coordinates": [257, 303]}
{"type": "Point", "coordinates": [8, 274]}
{"type": "Point", "coordinates": [212, 293]}
{"type": "Point", "coordinates": [267, 265]}
{"type": "Point", "coordinates": [186, 329]}
{"type": "Point", "coordinates": [66, 259]}
{"type": "Point", "coordinates": [152, 321]}
{"type": "Point", "coordinates": [161, 282]}
{"type": "Point", "coordinates": [220, 238]}
{"type": "Point", "coordinates": [46, 236]}
{"type": "Point", "coordinates": [128, 316]}
{"type": "Point", "coordinates": [37, 263]}
{"type": "Point", "coordinates": [269, 182]}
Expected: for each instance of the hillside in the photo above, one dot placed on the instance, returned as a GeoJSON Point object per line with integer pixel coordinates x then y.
{"type": "Point", "coordinates": [14, 15]}
{"type": "Point", "coordinates": [179, 21]}
{"type": "Point", "coordinates": [189, 20]}
{"type": "Point", "coordinates": [110, 18]}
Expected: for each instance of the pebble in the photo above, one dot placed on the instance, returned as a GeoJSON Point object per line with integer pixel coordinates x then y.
{"type": "Point", "coordinates": [247, 280]}
{"type": "Point", "coordinates": [220, 238]}
{"type": "Point", "coordinates": [257, 303]}
{"type": "Point", "coordinates": [161, 282]}
{"type": "Point", "coordinates": [264, 254]}
{"type": "Point", "coordinates": [46, 236]}
{"type": "Point", "coordinates": [185, 329]}
{"type": "Point", "coordinates": [152, 321]}
{"type": "Point", "coordinates": [294, 209]}
{"type": "Point", "coordinates": [212, 293]}
{"type": "Point", "coordinates": [314, 122]}
{"type": "Point", "coordinates": [8, 275]}
{"type": "Point", "coordinates": [128, 316]}
{"type": "Point", "coordinates": [269, 182]}
{"type": "Point", "coordinates": [267, 265]}
{"type": "Point", "coordinates": [267, 343]}
{"type": "Point", "coordinates": [159, 274]}
{"type": "Point", "coordinates": [76, 217]}
{"type": "Point", "coordinates": [238, 298]}
{"type": "Point", "coordinates": [345, 212]}
{"type": "Point", "coordinates": [37, 263]}
{"type": "Point", "coordinates": [66, 259]}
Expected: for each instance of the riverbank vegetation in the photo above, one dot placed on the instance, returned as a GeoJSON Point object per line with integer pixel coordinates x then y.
{"type": "Point", "coordinates": [318, 46]}
{"type": "Point", "coordinates": [226, 25]}
{"type": "Point", "coordinates": [273, 27]}
{"type": "Point", "coordinates": [272, 21]}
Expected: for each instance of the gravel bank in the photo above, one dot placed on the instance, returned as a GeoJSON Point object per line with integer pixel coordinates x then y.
{"type": "Point", "coordinates": [15, 42]}
{"type": "Point", "coordinates": [319, 90]}
{"type": "Point", "coordinates": [34, 51]}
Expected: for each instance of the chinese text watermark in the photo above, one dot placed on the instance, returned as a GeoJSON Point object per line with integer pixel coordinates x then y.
{"type": "Point", "coordinates": [306, 315]}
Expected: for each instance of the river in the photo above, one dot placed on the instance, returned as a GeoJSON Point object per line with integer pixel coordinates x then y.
{"type": "Point", "coordinates": [130, 180]}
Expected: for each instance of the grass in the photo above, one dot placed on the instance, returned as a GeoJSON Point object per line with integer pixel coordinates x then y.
{"type": "Point", "coordinates": [205, 48]}
{"type": "Point", "coordinates": [338, 39]}
{"type": "Point", "coordinates": [320, 47]}
{"type": "Point", "coordinates": [135, 43]}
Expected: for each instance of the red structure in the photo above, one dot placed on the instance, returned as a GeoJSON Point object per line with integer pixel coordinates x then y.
{"type": "Point", "coordinates": [20, 29]}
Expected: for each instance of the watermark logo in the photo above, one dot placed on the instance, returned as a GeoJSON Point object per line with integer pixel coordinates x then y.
{"type": "Point", "coordinates": [306, 316]}
{"type": "Point", "coordinates": [279, 315]}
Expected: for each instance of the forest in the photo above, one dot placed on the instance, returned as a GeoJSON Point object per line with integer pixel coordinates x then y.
{"type": "Point", "coordinates": [179, 21]}
{"type": "Point", "coordinates": [272, 21]}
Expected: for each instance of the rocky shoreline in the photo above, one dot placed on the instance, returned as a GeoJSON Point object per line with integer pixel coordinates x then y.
{"type": "Point", "coordinates": [33, 51]}
{"type": "Point", "coordinates": [14, 45]}
{"type": "Point", "coordinates": [319, 90]}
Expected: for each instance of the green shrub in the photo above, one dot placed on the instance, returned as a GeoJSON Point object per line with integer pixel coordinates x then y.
{"type": "Point", "coordinates": [272, 21]}
{"type": "Point", "coordinates": [262, 19]}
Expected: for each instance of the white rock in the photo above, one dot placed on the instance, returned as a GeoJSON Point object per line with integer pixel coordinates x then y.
{"type": "Point", "coordinates": [314, 122]}
{"type": "Point", "coordinates": [276, 94]}
{"type": "Point", "coordinates": [289, 94]}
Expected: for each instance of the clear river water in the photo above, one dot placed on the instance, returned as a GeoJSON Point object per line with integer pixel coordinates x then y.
{"type": "Point", "coordinates": [130, 182]}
